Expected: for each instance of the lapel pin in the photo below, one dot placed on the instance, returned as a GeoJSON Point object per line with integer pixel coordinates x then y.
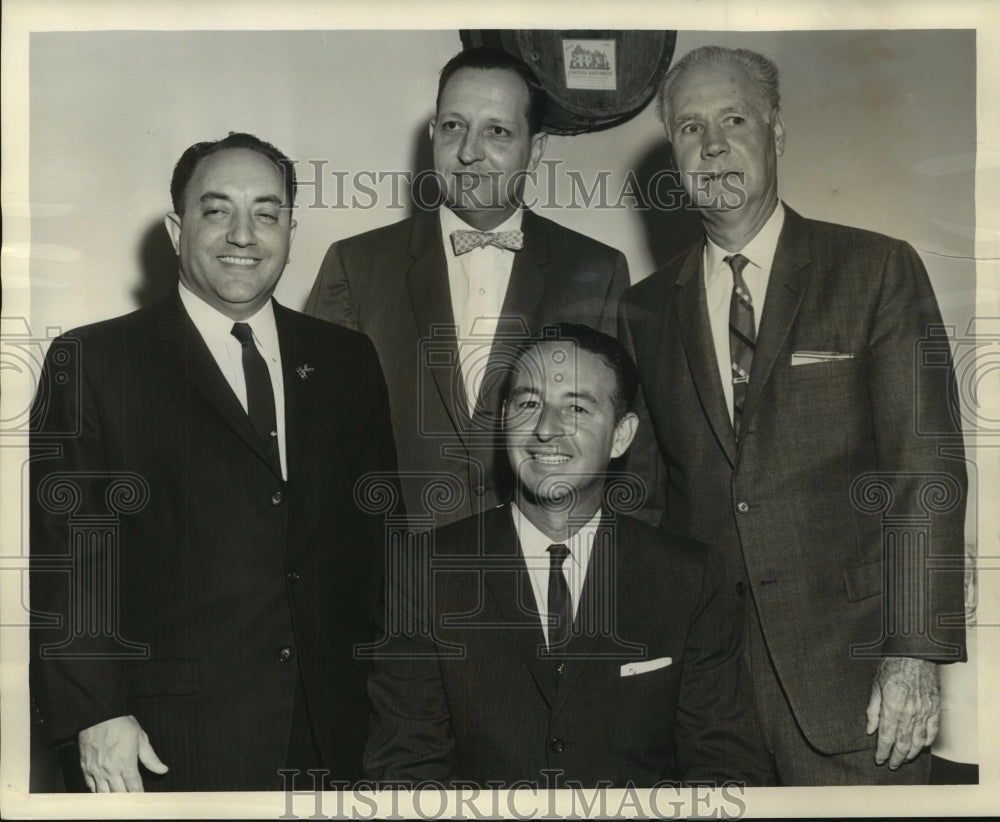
{"type": "Point", "coordinates": [304, 371]}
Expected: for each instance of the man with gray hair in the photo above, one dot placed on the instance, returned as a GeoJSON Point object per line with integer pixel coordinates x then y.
{"type": "Point", "coordinates": [778, 368]}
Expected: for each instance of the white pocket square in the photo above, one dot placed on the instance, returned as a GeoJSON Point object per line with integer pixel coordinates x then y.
{"type": "Point", "coordinates": [808, 357]}
{"type": "Point", "coordinates": [633, 668]}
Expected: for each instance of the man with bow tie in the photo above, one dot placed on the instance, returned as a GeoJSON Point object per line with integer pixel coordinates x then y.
{"type": "Point", "coordinates": [440, 293]}
{"type": "Point", "coordinates": [206, 642]}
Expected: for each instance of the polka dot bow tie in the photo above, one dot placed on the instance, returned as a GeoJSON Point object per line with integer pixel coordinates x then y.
{"type": "Point", "coordinates": [465, 241]}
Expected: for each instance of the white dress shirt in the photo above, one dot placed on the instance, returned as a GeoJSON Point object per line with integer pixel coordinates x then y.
{"type": "Point", "coordinates": [719, 288]}
{"type": "Point", "coordinates": [478, 281]}
{"type": "Point", "coordinates": [216, 330]}
{"type": "Point", "coordinates": [534, 549]}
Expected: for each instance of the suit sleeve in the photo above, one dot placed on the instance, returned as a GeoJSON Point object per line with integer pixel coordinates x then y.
{"type": "Point", "coordinates": [920, 458]}
{"type": "Point", "coordinates": [643, 459]}
{"type": "Point", "coordinates": [410, 738]}
{"type": "Point", "coordinates": [718, 739]}
{"type": "Point", "coordinates": [380, 460]}
{"type": "Point", "coordinates": [608, 322]}
{"type": "Point", "coordinates": [76, 681]}
{"type": "Point", "coordinates": [330, 297]}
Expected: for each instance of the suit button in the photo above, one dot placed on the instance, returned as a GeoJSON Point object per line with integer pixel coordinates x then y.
{"type": "Point", "coordinates": [741, 588]}
{"type": "Point", "coordinates": [557, 745]}
{"type": "Point", "coordinates": [284, 654]}
{"type": "Point", "coordinates": [479, 490]}
{"type": "Point", "coordinates": [293, 576]}
{"type": "Point", "coordinates": [742, 507]}
{"type": "Point", "coordinates": [277, 498]}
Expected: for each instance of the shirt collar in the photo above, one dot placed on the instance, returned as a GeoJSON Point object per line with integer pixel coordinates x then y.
{"type": "Point", "coordinates": [213, 325]}
{"type": "Point", "coordinates": [760, 250]}
{"type": "Point", "coordinates": [535, 544]}
{"type": "Point", "coordinates": [450, 222]}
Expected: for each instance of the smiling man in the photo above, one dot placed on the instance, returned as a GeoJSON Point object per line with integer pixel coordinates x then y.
{"type": "Point", "coordinates": [553, 641]}
{"type": "Point", "coordinates": [779, 366]}
{"type": "Point", "coordinates": [440, 292]}
{"type": "Point", "coordinates": [209, 643]}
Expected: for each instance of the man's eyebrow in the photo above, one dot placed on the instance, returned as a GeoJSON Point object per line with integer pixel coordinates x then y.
{"type": "Point", "coordinates": [524, 389]}
{"type": "Point", "coordinates": [582, 395]}
{"type": "Point", "coordinates": [270, 198]}
{"type": "Point", "coordinates": [215, 195]}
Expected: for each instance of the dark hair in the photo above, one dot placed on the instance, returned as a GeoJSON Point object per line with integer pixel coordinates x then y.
{"type": "Point", "coordinates": [486, 58]}
{"type": "Point", "coordinates": [186, 165]}
{"type": "Point", "coordinates": [611, 352]}
{"type": "Point", "coordinates": [761, 70]}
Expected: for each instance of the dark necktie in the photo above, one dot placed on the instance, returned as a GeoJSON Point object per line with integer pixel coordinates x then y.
{"type": "Point", "coordinates": [260, 394]}
{"type": "Point", "coordinates": [742, 336]}
{"type": "Point", "coordinates": [560, 602]}
{"type": "Point", "coordinates": [463, 241]}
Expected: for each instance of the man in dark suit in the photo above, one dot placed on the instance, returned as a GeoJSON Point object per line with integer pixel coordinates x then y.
{"type": "Point", "coordinates": [194, 533]}
{"type": "Point", "coordinates": [441, 292]}
{"type": "Point", "coordinates": [778, 366]}
{"type": "Point", "coordinates": [553, 641]}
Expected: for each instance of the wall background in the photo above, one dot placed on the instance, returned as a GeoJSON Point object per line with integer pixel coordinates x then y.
{"type": "Point", "coordinates": [881, 134]}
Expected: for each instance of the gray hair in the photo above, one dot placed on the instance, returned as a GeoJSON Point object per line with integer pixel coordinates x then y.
{"type": "Point", "coordinates": [761, 70]}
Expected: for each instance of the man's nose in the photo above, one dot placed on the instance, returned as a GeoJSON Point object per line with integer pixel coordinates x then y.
{"type": "Point", "coordinates": [241, 231]}
{"type": "Point", "coordinates": [550, 424]}
{"type": "Point", "coordinates": [714, 142]}
{"type": "Point", "coordinates": [471, 149]}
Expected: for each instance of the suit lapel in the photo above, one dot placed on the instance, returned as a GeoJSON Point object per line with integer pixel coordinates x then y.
{"type": "Point", "coordinates": [692, 316]}
{"type": "Point", "coordinates": [188, 354]}
{"type": "Point", "coordinates": [605, 588]}
{"type": "Point", "coordinates": [296, 371]}
{"type": "Point", "coordinates": [785, 289]}
{"type": "Point", "coordinates": [510, 588]}
{"type": "Point", "coordinates": [519, 312]}
{"type": "Point", "coordinates": [430, 295]}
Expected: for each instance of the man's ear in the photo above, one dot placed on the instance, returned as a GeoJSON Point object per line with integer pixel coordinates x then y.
{"type": "Point", "coordinates": [624, 434]}
{"type": "Point", "coordinates": [430, 127]}
{"type": "Point", "coordinates": [778, 127]}
{"type": "Point", "coordinates": [173, 223]}
{"type": "Point", "coordinates": [537, 149]}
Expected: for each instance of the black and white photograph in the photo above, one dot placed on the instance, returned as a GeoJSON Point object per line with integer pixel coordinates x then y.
{"type": "Point", "coordinates": [548, 411]}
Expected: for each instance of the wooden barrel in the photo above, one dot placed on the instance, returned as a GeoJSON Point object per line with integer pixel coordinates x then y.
{"type": "Point", "coordinates": [595, 79]}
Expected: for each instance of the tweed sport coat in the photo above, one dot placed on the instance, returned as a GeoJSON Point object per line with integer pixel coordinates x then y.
{"type": "Point", "coordinates": [841, 507]}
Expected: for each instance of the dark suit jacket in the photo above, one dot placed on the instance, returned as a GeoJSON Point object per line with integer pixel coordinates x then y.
{"type": "Point", "coordinates": [220, 564]}
{"type": "Point", "coordinates": [796, 504]}
{"type": "Point", "coordinates": [392, 284]}
{"type": "Point", "coordinates": [461, 689]}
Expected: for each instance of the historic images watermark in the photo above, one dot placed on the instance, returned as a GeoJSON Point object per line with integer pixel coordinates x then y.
{"type": "Point", "coordinates": [552, 186]}
{"type": "Point", "coordinates": [563, 799]}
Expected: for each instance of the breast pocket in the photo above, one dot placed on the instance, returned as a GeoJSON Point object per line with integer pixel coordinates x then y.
{"type": "Point", "coordinates": [830, 370]}
{"type": "Point", "coordinates": [648, 692]}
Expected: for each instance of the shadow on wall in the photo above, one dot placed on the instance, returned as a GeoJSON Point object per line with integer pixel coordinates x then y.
{"type": "Point", "coordinates": [157, 264]}
{"type": "Point", "coordinates": [670, 225]}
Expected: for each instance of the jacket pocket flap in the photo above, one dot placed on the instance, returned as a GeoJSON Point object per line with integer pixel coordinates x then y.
{"type": "Point", "coordinates": [864, 581]}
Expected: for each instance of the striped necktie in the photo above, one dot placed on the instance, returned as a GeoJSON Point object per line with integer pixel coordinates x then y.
{"type": "Point", "coordinates": [742, 336]}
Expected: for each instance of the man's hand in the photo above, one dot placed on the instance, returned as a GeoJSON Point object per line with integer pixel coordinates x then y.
{"type": "Point", "coordinates": [904, 707]}
{"type": "Point", "coordinates": [109, 752]}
